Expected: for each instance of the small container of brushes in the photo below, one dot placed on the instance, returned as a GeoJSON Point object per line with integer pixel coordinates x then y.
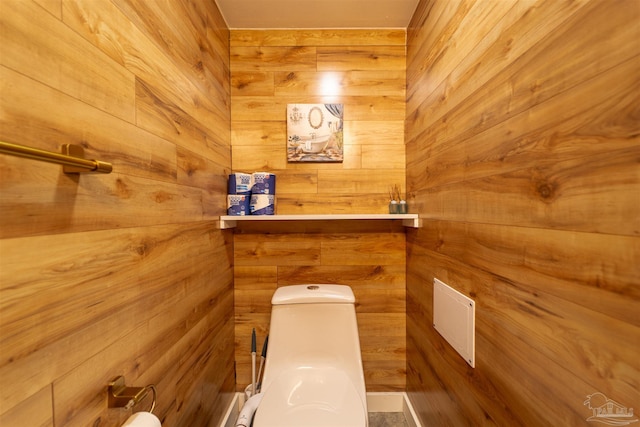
{"type": "Point", "coordinates": [397, 205]}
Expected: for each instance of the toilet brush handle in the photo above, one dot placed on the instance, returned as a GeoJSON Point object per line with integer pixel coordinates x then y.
{"type": "Point", "coordinates": [253, 362]}
{"type": "Point", "coordinates": [253, 374]}
{"type": "Point", "coordinates": [263, 357]}
{"type": "Point", "coordinates": [264, 347]}
{"type": "Point", "coordinates": [259, 375]}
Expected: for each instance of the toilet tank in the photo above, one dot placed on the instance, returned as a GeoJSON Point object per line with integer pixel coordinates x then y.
{"type": "Point", "coordinates": [313, 294]}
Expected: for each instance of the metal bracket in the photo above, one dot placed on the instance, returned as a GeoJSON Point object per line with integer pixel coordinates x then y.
{"type": "Point", "coordinates": [73, 150]}
{"type": "Point", "coordinates": [121, 396]}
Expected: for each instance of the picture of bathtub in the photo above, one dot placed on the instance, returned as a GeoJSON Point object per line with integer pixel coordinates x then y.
{"type": "Point", "coordinates": [315, 132]}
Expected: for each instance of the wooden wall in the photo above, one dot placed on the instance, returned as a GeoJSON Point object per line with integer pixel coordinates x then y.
{"type": "Point", "coordinates": [522, 159]}
{"type": "Point", "coordinates": [270, 69]}
{"type": "Point", "coordinates": [126, 273]}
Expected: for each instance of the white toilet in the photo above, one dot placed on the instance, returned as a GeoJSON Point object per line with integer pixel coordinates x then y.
{"type": "Point", "coordinates": [313, 372]}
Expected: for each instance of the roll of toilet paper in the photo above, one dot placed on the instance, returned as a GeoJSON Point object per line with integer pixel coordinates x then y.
{"type": "Point", "coordinates": [238, 204]}
{"type": "Point", "coordinates": [263, 183]}
{"type": "Point", "coordinates": [142, 419]}
{"type": "Point", "coordinates": [240, 183]}
{"type": "Point", "coordinates": [263, 204]}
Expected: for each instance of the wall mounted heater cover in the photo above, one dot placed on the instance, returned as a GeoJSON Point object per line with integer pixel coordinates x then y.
{"type": "Point", "coordinates": [454, 317]}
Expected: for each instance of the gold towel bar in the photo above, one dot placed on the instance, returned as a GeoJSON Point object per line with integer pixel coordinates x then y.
{"type": "Point", "coordinates": [72, 157]}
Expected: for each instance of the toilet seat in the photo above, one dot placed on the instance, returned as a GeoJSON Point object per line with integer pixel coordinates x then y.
{"type": "Point", "coordinates": [311, 397]}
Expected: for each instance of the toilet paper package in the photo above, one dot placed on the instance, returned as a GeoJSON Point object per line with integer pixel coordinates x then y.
{"type": "Point", "coordinates": [263, 204]}
{"type": "Point", "coordinates": [240, 183]}
{"type": "Point", "coordinates": [264, 183]}
{"type": "Point", "coordinates": [238, 204]}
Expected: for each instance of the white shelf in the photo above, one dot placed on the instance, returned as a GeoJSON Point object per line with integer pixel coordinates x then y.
{"type": "Point", "coordinates": [408, 220]}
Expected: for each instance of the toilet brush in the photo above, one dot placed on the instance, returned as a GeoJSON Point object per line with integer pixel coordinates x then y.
{"type": "Point", "coordinates": [263, 356]}
{"type": "Point", "coordinates": [253, 362]}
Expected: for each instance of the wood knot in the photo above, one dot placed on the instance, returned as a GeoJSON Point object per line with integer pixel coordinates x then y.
{"type": "Point", "coordinates": [143, 248]}
{"type": "Point", "coordinates": [162, 196]}
{"type": "Point", "coordinates": [122, 190]}
{"type": "Point", "coordinates": [546, 191]}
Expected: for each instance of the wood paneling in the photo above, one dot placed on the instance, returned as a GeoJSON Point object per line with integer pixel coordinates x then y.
{"type": "Point", "coordinates": [281, 67]}
{"type": "Point", "coordinates": [320, 37]}
{"type": "Point", "coordinates": [46, 50]}
{"type": "Point", "coordinates": [522, 158]}
{"type": "Point", "coordinates": [339, 58]}
{"type": "Point", "coordinates": [368, 257]}
{"type": "Point", "coordinates": [126, 273]}
{"type": "Point", "coordinates": [270, 69]}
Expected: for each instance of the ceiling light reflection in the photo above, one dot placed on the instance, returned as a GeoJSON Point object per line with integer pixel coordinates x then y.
{"type": "Point", "coordinates": [331, 84]}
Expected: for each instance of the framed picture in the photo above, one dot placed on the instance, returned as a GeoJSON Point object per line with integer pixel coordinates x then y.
{"type": "Point", "coordinates": [315, 132]}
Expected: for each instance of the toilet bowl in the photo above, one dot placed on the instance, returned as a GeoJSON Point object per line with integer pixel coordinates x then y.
{"type": "Point", "coordinates": [313, 373]}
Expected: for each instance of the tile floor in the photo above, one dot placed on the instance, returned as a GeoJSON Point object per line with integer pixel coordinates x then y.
{"type": "Point", "coordinates": [387, 419]}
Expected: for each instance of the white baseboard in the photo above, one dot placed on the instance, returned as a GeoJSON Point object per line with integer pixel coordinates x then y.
{"type": "Point", "coordinates": [376, 402]}
{"type": "Point", "coordinates": [231, 415]}
{"type": "Point", "coordinates": [409, 414]}
{"type": "Point", "coordinates": [384, 401]}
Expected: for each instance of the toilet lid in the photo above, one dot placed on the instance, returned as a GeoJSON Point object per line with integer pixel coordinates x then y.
{"type": "Point", "coordinates": [311, 397]}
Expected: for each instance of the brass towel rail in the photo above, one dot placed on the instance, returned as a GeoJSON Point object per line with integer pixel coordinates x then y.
{"type": "Point", "coordinates": [72, 157]}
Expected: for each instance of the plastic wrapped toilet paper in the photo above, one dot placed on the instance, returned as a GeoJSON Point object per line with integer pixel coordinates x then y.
{"type": "Point", "coordinates": [263, 183]}
{"type": "Point", "coordinates": [142, 419]}
{"type": "Point", "coordinates": [240, 183]}
{"type": "Point", "coordinates": [238, 204]}
{"type": "Point", "coordinates": [263, 204]}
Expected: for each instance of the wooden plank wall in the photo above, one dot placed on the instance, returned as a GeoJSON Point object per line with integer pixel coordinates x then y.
{"type": "Point", "coordinates": [126, 273]}
{"type": "Point", "coordinates": [270, 69]}
{"type": "Point", "coordinates": [522, 159]}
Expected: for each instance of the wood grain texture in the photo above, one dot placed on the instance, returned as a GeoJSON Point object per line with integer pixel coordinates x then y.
{"type": "Point", "coordinates": [356, 108]}
{"type": "Point", "coordinates": [318, 37]}
{"type": "Point", "coordinates": [347, 83]}
{"type": "Point", "coordinates": [33, 411]}
{"type": "Point", "coordinates": [273, 58]}
{"type": "Point", "coordinates": [369, 257]}
{"type": "Point", "coordinates": [522, 157]}
{"type": "Point", "coordinates": [126, 273]}
{"type": "Point", "coordinates": [270, 69]}
{"type": "Point", "coordinates": [350, 58]}
{"type": "Point", "coordinates": [43, 48]}
{"type": "Point", "coordinates": [133, 150]}
{"type": "Point", "coordinates": [359, 132]}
